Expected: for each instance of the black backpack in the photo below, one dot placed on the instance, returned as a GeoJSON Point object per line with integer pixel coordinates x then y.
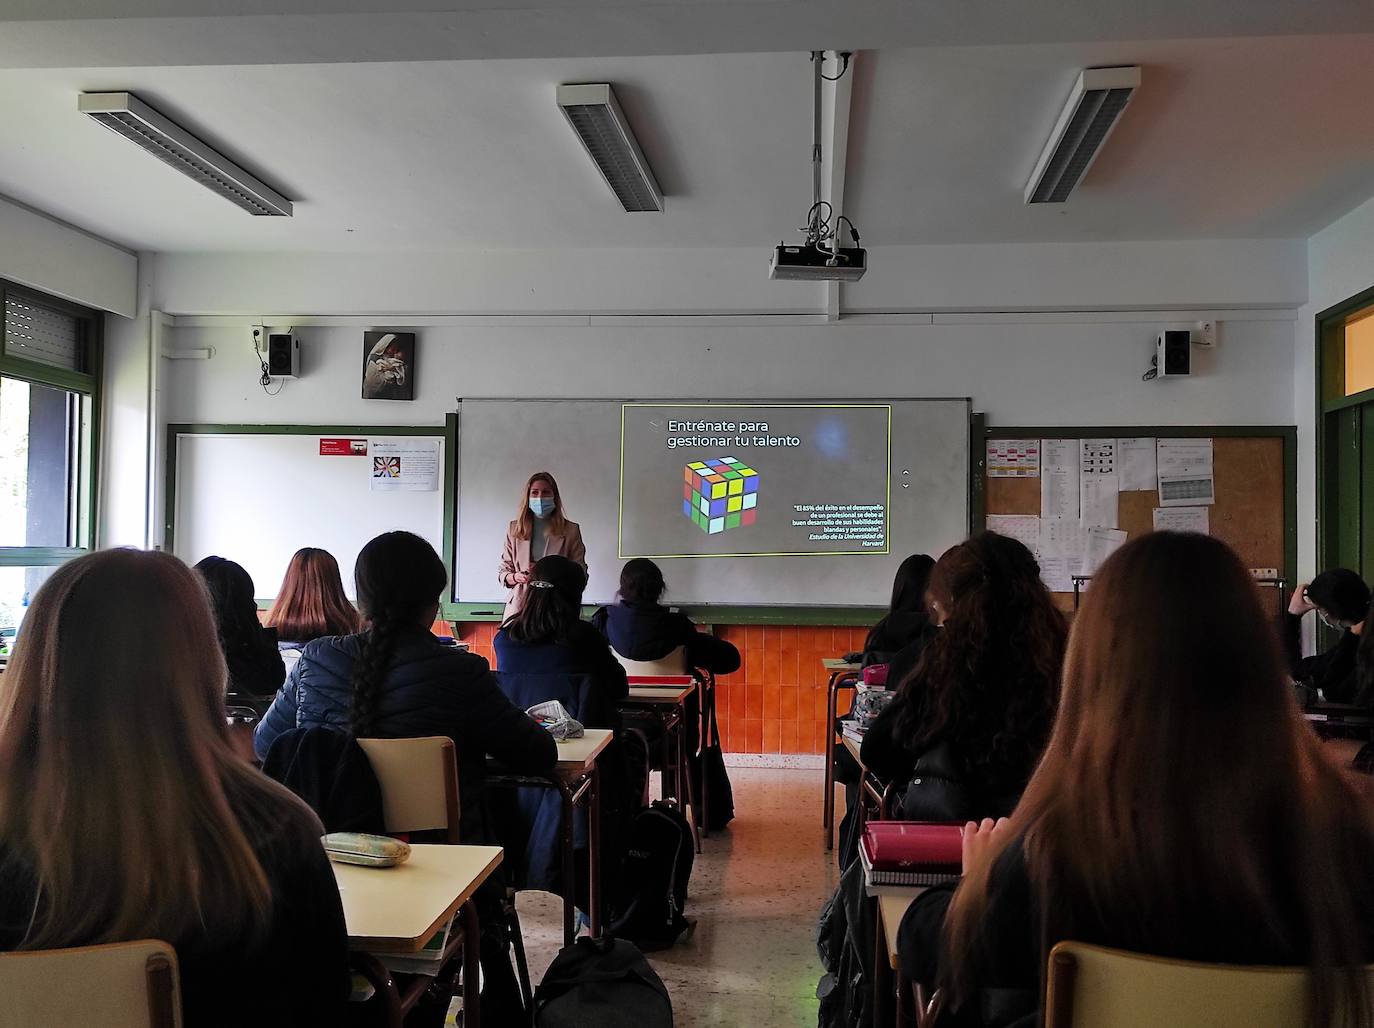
{"type": "Point", "coordinates": [720, 806]}
{"type": "Point", "coordinates": [602, 983]}
{"type": "Point", "coordinates": [653, 880]}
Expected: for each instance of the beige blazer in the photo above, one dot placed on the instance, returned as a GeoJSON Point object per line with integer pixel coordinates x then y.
{"type": "Point", "coordinates": [515, 556]}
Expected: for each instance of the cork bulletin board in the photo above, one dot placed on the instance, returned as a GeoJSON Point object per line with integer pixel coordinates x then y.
{"type": "Point", "coordinates": [1255, 470]}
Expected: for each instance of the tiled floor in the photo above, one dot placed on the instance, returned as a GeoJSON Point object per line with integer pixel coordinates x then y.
{"type": "Point", "coordinates": [755, 893]}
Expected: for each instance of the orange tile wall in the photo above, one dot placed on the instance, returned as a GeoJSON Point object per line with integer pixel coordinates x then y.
{"type": "Point", "coordinates": [775, 703]}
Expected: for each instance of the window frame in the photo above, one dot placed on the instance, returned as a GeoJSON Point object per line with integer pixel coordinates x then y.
{"type": "Point", "coordinates": [87, 384]}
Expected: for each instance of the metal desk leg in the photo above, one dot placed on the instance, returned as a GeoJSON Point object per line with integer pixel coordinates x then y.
{"type": "Point", "coordinates": [472, 975]}
{"type": "Point", "coordinates": [883, 1012]}
{"type": "Point", "coordinates": [684, 775]}
{"type": "Point", "coordinates": [828, 818]}
{"type": "Point", "coordinates": [706, 698]}
{"type": "Point", "coordinates": [594, 853]}
{"type": "Point", "coordinates": [569, 866]}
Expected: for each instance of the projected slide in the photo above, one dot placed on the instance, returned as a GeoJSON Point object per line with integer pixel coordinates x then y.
{"type": "Point", "coordinates": [716, 480]}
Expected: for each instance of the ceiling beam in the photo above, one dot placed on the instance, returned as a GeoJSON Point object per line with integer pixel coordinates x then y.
{"type": "Point", "coordinates": [835, 111]}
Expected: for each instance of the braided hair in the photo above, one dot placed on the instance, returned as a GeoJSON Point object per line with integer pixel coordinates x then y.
{"type": "Point", "coordinates": [399, 576]}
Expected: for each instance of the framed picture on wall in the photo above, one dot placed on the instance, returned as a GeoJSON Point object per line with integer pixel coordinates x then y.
{"type": "Point", "coordinates": [388, 365]}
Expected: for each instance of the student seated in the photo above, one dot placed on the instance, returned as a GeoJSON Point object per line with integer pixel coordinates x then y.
{"type": "Point", "coordinates": [640, 628]}
{"type": "Point", "coordinates": [124, 813]}
{"type": "Point", "coordinates": [548, 637]}
{"type": "Point", "coordinates": [907, 621]}
{"type": "Point", "coordinates": [256, 670]}
{"type": "Point", "coordinates": [1341, 600]}
{"type": "Point", "coordinates": [311, 604]}
{"type": "Point", "coordinates": [968, 722]}
{"type": "Point", "coordinates": [1182, 807]}
{"type": "Point", "coordinates": [395, 680]}
{"type": "Point", "coordinates": [961, 736]}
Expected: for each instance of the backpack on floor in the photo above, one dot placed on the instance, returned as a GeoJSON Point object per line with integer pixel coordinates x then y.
{"type": "Point", "coordinates": [653, 879]}
{"type": "Point", "coordinates": [720, 805]}
{"type": "Point", "coordinates": [602, 983]}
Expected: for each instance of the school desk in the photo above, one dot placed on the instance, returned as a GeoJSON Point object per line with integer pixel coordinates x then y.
{"type": "Point", "coordinates": [891, 990]}
{"type": "Point", "coordinates": [399, 909]}
{"type": "Point", "coordinates": [842, 675]}
{"type": "Point", "coordinates": [668, 705]}
{"type": "Point", "coordinates": [577, 780]}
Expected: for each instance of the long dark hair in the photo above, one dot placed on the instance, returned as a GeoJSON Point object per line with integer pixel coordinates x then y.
{"type": "Point", "coordinates": [553, 604]}
{"type": "Point", "coordinates": [236, 611]}
{"type": "Point", "coordinates": [399, 576]}
{"type": "Point", "coordinates": [909, 587]}
{"type": "Point", "coordinates": [312, 602]}
{"type": "Point", "coordinates": [1182, 805]}
{"type": "Point", "coordinates": [988, 681]}
{"type": "Point", "coordinates": [641, 583]}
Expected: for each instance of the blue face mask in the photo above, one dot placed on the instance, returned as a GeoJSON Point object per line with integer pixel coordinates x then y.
{"type": "Point", "coordinates": [542, 506]}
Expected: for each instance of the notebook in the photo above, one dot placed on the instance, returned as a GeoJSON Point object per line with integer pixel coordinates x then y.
{"type": "Point", "coordinates": [912, 852]}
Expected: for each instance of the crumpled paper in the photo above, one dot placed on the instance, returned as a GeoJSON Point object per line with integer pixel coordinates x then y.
{"type": "Point", "coordinates": [553, 716]}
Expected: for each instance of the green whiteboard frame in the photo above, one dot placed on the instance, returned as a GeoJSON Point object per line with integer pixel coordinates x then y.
{"type": "Point", "coordinates": [448, 432]}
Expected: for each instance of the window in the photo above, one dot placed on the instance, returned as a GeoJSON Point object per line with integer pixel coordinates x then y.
{"type": "Point", "coordinates": [1359, 354]}
{"type": "Point", "coordinates": [49, 412]}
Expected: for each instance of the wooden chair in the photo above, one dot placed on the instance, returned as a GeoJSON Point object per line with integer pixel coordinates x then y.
{"type": "Point", "coordinates": [1096, 987]}
{"type": "Point", "coordinates": [419, 781]}
{"type": "Point", "coordinates": [121, 985]}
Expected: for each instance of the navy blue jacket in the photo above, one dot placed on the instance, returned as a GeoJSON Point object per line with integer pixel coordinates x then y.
{"type": "Point", "coordinates": [651, 633]}
{"type": "Point", "coordinates": [430, 689]}
{"type": "Point", "coordinates": [584, 653]}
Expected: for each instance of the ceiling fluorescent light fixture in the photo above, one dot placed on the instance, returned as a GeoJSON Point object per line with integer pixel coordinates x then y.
{"type": "Point", "coordinates": [170, 143]}
{"type": "Point", "coordinates": [1094, 107]}
{"type": "Point", "coordinates": [596, 117]}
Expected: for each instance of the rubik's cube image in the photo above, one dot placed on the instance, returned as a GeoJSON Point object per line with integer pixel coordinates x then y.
{"type": "Point", "coordinates": [720, 494]}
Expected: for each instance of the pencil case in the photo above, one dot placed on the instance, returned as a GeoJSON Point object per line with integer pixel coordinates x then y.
{"type": "Point", "coordinates": [368, 850]}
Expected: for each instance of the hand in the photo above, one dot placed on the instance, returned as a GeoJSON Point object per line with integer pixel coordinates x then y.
{"type": "Point", "coordinates": [1300, 604]}
{"type": "Point", "coordinates": [979, 839]}
{"type": "Point", "coordinates": [521, 577]}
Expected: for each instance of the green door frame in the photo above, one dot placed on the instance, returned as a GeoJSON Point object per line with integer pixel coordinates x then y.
{"type": "Point", "coordinates": [1330, 399]}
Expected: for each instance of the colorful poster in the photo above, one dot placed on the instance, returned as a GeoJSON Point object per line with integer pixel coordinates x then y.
{"type": "Point", "coordinates": [1013, 458]}
{"type": "Point", "coordinates": [404, 465]}
{"type": "Point", "coordinates": [343, 447]}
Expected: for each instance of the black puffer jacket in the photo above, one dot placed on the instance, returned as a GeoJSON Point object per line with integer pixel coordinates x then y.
{"type": "Point", "coordinates": [429, 690]}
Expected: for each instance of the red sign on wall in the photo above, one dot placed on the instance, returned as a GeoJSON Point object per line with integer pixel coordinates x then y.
{"type": "Point", "coordinates": [343, 447]}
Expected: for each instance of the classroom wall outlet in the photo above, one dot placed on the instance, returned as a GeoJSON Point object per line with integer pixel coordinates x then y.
{"type": "Point", "coordinates": [1264, 572]}
{"type": "Point", "coordinates": [1205, 334]}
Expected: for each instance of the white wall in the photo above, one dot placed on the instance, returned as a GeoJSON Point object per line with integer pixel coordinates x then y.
{"type": "Point", "coordinates": [1018, 277]}
{"type": "Point", "coordinates": [1020, 370]}
{"type": "Point", "coordinates": [1340, 263]}
{"type": "Point", "coordinates": [43, 253]}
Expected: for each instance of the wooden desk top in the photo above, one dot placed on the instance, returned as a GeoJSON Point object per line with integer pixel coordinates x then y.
{"type": "Point", "coordinates": [398, 909]}
{"type": "Point", "coordinates": [836, 665]}
{"type": "Point", "coordinates": [580, 754]}
{"type": "Point", "coordinates": [892, 905]}
{"type": "Point", "coordinates": [671, 694]}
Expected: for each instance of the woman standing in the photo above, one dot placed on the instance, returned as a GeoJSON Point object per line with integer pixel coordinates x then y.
{"type": "Point", "coordinates": [540, 529]}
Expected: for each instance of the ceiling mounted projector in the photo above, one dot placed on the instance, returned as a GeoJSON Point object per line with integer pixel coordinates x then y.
{"type": "Point", "coordinates": [820, 258]}
{"type": "Point", "coordinates": [1093, 109]}
{"type": "Point", "coordinates": [596, 117]}
{"type": "Point", "coordinates": [170, 143]}
{"type": "Point", "coordinates": [843, 264]}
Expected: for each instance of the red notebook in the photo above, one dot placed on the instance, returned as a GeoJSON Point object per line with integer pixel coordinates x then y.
{"type": "Point", "coordinates": [912, 852]}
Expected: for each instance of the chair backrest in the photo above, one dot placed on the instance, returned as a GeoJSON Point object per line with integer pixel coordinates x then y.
{"type": "Point", "coordinates": [674, 663]}
{"type": "Point", "coordinates": [121, 985]}
{"type": "Point", "coordinates": [419, 781]}
{"type": "Point", "coordinates": [1096, 987]}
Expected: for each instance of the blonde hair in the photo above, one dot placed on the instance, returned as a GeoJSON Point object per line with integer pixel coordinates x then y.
{"type": "Point", "coordinates": [524, 519]}
{"type": "Point", "coordinates": [118, 787]}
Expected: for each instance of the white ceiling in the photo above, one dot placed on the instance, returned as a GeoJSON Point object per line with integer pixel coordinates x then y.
{"type": "Point", "coordinates": [1258, 137]}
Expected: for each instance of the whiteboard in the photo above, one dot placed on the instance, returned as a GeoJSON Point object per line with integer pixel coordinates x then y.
{"type": "Point", "coordinates": [257, 499]}
{"type": "Point", "coordinates": [502, 442]}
